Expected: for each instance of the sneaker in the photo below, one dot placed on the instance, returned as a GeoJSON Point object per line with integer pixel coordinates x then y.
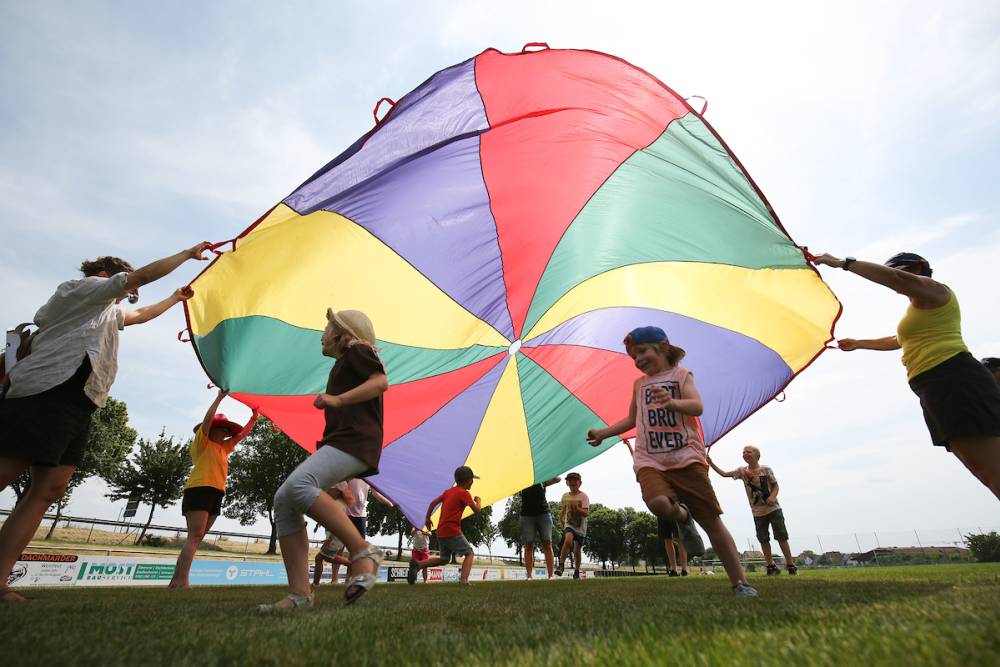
{"type": "Point", "coordinates": [576, 574]}
{"type": "Point", "coordinates": [744, 591]}
{"type": "Point", "coordinates": [684, 573]}
{"type": "Point", "coordinates": [773, 570]}
{"type": "Point", "coordinates": [792, 569]}
{"type": "Point", "coordinates": [673, 573]}
{"type": "Point", "coordinates": [559, 571]}
{"type": "Point", "coordinates": [411, 574]}
{"type": "Point", "coordinates": [690, 535]}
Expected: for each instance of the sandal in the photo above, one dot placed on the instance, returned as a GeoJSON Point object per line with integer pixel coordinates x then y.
{"type": "Point", "coordinates": [298, 602]}
{"type": "Point", "coordinates": [772, 570]}
{"type": "Point", "coordinates": [792, 569]}
{"type": "Point", "coordinates": [360, 584]}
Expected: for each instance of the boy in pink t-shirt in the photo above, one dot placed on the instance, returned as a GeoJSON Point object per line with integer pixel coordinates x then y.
{"type": "Point", "coordinates": [669, 455]}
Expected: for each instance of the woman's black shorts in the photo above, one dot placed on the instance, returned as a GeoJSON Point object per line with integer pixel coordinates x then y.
{"type": "Point", "coordinates": [959, 398]}
{"type": "Point", "coordinates": [51, 428]}
{"type": "Point", "coordinates": [202, 499]}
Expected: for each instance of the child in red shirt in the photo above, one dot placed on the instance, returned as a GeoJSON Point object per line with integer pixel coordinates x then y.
{"type": "Point", "coordinates": [450, 538]}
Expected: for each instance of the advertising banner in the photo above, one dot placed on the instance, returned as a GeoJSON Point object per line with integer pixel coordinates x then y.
{"type": "Point", "coordinates": [44, 570]}
{"type": "Point", "coordinates": [86, 570]}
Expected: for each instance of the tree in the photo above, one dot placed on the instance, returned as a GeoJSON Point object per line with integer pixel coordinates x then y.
{"type": "Point", "coordinates": [476, 526]}
{"type": "Point", "coordinates": [385, 520]}
{"type": "Point", "coordinates": [605, 535]}
{"type": "Point", "coordinates": [984, 546]}
{"type": "Point", "coordinates": [491, 535]}
{"type": "Point", "coordinates": [109, 442]}
{"type": "Point", "coordinates": [261, 462]}
{"type": "Point", "coordinates": [509, 525]}
{"type": "Point", "coordinates": [155, 475]}
{"type": "Point", "coordinates": [643, 540]}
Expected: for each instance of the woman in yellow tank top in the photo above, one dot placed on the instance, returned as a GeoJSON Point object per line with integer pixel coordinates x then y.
{"type": "Point", "coordinates": [959, 397]}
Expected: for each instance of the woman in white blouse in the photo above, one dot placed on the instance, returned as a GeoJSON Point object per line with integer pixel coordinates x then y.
{"type": "Point", "coordinates": [45, 415]}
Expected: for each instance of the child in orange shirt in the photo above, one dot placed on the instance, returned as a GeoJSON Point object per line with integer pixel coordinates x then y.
{"type": "Point", "coordinates": [450, 538]}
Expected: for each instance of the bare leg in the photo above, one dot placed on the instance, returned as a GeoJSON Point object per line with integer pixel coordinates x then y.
{"type": "Point", "coordinates": [682, 552]}
{"type": "Point", "coordinates": [466, 569]}
{"type": "Point", "coordinates": [786, 551]}
{"type": "Point", "coordinates": [725, 547]}
{"type": "Point", "coordinates": [576, 555]}
{"type": "Point", "coordinates": [318, 569]}
{"type": "Point", "coordinates": [433, 561]}
{"type": "Point", "coordinates": [547, 549]}
{"type": "Point", "coordinates": [48, 483]}
{"type": "Point", "coordinates": [766, 548]}
{"type": "Point", "coordinates": [197, 526]}
{"type": "Point", "coordinates": [529, 559]}
{"type": "Point", "coordinates": [564, 551]}
{"type": "Point", "coordinates": [981, 455]}
{"type": "Point", "coordinates": [668, 545]}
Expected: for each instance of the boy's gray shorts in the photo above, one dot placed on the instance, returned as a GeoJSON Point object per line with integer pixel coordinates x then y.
{"type": "Point", "coordinates": [458, 545]}
{"type": "Point", "coordinates": [776, 521]}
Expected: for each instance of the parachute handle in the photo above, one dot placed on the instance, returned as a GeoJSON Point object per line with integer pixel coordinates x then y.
{"type": "Point", "coordinates": [780, 398]}
{"type": "Point", "coordinates": [541, 46]}
{"type": "Point", "coordinates": [180, 336]}
{"type": "Point", "coordinates": [215, 246]}
{"type": "Point", "coordinates": [704, 105]}
{"type": "Point", "coordinates": [392, 103]}
{"type": "Point", "coordinates": [811, 258]}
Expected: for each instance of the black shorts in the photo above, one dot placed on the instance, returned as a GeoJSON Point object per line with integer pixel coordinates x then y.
{"type": "Point", "coordinates": [202, 499]}
{"type": "Point", "coordinates": [776, 520]}
{"type": "Point", "coordinates": [573, 536]}
{"type": "Point", "coordinates": [666, 530]}
{"type": "Point", "coordinates": [51, 428]}
{"type": "Point", "coordinates": [360, 522]}
{"type": "Point", "coordinates": [959, 397]}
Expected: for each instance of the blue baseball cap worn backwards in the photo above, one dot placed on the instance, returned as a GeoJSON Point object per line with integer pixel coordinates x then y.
{"type": "Point", "coordinates": [653, 335]}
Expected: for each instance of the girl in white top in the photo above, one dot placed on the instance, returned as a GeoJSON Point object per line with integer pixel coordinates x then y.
{"type": "Point", "coordinates": [45, 416]}
{"type": "Point", "coordinates": [669, 454]}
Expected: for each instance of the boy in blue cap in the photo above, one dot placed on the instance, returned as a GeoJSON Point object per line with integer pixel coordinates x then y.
{"type": "Point", "coordinates": [450, 538]}
{"type": "Point", "coordinates": [669, 455]}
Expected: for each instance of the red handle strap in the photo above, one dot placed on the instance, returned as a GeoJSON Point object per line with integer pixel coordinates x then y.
{"type": "Point", "coordinates": [392, 104]}
{"type": "Point", "coordinates": [215, 246]}
{"type": "Point", "coordinates": [540, 46]}
{"type": "Point", "coordinates": [180, 336]}
{"type": "Point", "coordinates": [704, 106]}
{"type": "Point", "coordinates": [805, 251]}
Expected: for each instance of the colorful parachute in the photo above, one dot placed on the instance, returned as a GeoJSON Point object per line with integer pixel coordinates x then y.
{"type": "Point", "coordinates": [504, 226]}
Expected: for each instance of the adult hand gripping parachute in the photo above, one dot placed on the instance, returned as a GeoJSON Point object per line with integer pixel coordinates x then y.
{"type": "Point", "coordinates": [504, 226]}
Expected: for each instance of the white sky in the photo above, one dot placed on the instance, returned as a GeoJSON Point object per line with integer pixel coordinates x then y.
{"type": "Point", "coordinates": [138, 129]}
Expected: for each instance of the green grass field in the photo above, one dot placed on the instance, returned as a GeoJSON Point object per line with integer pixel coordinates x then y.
{"type": "Point", "coordinates": [930, 615]}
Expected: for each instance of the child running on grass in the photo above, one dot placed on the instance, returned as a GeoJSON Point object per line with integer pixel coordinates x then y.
{"type": "Point", "coordinates": [329, 551]}
{"type": "Point", "coordinates": [669, 457]}
{"type": "Point", "coordinates": [450, 538]}
{"type": "Point", "coordinates": [215, 438]}
{"type": "Point", "coordinates": [669, 533]}
{"type": "Point", "coordinates": [573, 516]}
{"type": "Point", "coordinates": [420, 538]}
{"type": "Point", "coordinates": [762, 492]}
{"type": "Point", "coordinates": [350, 447]}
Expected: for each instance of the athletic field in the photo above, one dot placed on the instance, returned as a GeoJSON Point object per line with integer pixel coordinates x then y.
{"type": "Point", "coordinates": [931, 615]}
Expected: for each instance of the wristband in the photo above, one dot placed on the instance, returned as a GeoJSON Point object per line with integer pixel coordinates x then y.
{"type": "Point", "coordinates": [847, 263]}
